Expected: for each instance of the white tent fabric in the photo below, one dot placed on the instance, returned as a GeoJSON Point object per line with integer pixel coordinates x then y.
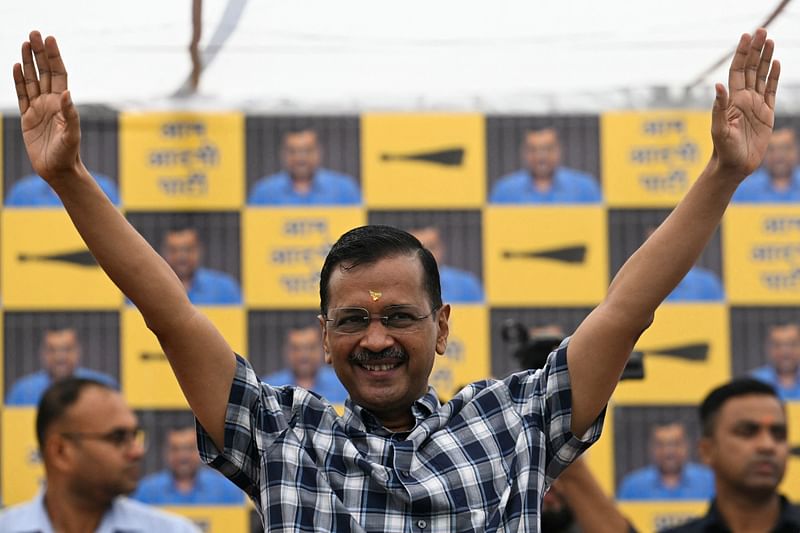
{"type": "Point", "coordinates": [355, 55]}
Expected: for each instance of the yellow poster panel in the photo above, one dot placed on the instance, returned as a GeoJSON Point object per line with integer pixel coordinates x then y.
{"type": "Point", "coordinates": [467, 357]}
{"type": "Point", "coordinates": [284, 250]}
{"type": "Point", "coordinates": [46, 265]}
{"type": "Point", "coordinates": [22, 469]}
{"type": "Point", "coordinates": [651, 517]}
{"type": "Point", "coordinates": [554, 256]}
{"type": "Point", "coordinates": [147, 379]}
{"type": "Point", "coordinates": [420, 161]}
{"type": "Point", "coordinates": [215, 519]}
{"type": "Point", "coordinates": [791, 480]}
{"type": "Point", "coordinates": [686, 354]}
{"type": "Point", "coordinates": [650, 158]}
{"type": "Point", "coordinates": [762, 254]}
{"type": "Point", "coordinates": [182, 160]}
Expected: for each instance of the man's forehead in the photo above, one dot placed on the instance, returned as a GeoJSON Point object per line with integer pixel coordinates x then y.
{"type": "Point", "coordinates": [398, 279]}
{"type": "Point", "coordinates": [543, 135]}
{"type": "Point", "coordinates": [755, 408]}
{"type": "Point", "coordinates": [99, 407]}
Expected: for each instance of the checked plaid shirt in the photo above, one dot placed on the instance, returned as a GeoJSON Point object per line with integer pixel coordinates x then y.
{"type": "Point", "coordinates": [481, 462]}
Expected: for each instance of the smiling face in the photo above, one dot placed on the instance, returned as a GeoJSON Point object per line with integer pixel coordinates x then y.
{"type": "Point", "coordinates": [669, 448]}
{"type": "Point", "coordinates": [60, 352]}
{"type": "Point", "coordinates": [301, 154]}
{"type": "Point", "coordinates": [386, 384]}
{"type": "Point", "coordinates": [541, 153]}
{"type": "Point", "coordinates": [748, 448]}
{"type": "Point", "coordinates": [783, 348]}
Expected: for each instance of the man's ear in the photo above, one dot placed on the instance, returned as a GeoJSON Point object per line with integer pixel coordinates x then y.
{"type": "Point", "coordinates": [443, 329]}
{"type": "Point", "coordinates": [326, 348]}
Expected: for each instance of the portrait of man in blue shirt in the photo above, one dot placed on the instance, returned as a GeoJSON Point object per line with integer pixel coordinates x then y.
{"type": "Point", "coordinates": [183, 250]}
{"type": "Point", "coordinates": [543, 180]}
{"type": "Point", "coordinates": [305, 365]}
{"type": "Point", "coordinates": [778, 179]}
{"type": "Point", "coordinates": [782, 371]}
{"type": "Point", "coordinates": [185, 480]}
{"type": "Point", "coordinates": [458, 286]}
{"type": "Point", "coordinates": [303, 180]}
{"type": "Point", "coordinates": [671, 476]}
{"type": "Point", "coordinates": [33, 191]}
{"type": "Point", "coordinates": [60, 353]}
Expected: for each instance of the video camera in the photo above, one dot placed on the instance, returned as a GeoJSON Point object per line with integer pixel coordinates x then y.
{"type": "Point", "coordinates": [531, 351]}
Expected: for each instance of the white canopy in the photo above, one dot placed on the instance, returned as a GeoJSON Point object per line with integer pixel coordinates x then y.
{"type": "Point", "coordinates": [354, 55]}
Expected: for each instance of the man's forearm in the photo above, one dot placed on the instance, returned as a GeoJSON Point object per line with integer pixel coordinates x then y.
{"type": "Point", "coordinates": [654, 270]}
{"type": "Point", "coordinates": [122, 252]}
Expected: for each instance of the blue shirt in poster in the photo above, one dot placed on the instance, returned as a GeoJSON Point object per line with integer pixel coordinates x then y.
{"type": "Point", "coordinates": [697, 483]}
{"type": "Point", "coordinates": [210, 287]}
{"type": "Point", "coordinates": [699, 284]}
{"type": "Point", "coordinates": [570, 186]}
{"type": "Point", "coordinates": [768, 375]}
{"type": "Point", "coordinates": [28, 390]}
{"type": "Point", "coordinates": [757, 188]}
{"type": "Point", "coordinates": [210, 488]}
{"type": "Point", "coordinates": [33, 191]}
{"type": "Point", "coordinates": [327, 385]}
{"type": "Point", "coordinates": [328, 187]}
{"type": "Point", "coordinates": [459, 286]}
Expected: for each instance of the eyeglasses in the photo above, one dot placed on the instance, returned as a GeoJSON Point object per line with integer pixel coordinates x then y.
{"type": "Point", "coordinates": [353, 320]}
{"type": "Point", "coordinates": [121, 438]}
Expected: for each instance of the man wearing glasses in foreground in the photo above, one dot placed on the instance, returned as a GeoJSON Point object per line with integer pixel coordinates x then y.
{"type": "Point", "coordinates": [397, 460]}
{"type": "Point", "coordinates": [88, 442]}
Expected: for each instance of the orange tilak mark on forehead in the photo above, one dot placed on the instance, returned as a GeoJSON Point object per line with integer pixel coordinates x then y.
{"type": "Point", "coordinates": [767, 421]}
{"type": "Point", "coordinates": [375, 295]}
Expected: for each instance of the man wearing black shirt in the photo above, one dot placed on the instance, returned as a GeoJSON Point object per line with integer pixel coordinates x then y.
{"type": "Point", "coordinates": [744, 442]}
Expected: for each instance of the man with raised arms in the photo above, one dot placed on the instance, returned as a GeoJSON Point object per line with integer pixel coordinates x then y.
{"type": "Point", "coordinates": [396, 460]}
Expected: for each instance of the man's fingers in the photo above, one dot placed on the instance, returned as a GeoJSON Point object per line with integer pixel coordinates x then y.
{"type": "Point", "coordinates": [72, 132]}
{"type": "Point", "coordinates": [753, 58]}
{"type": "Point", "coordinates": [772, 84]}
{"type": "Point", "coordinates": [42, 65]}
{"type": "Point", "coordinates": [719, 108]}
{"type": "Point", "coordinates": [19, 85]}
{"type": "Point", "coordinates": [57, 69]}
{"type": "Point", "coordinates": [29, 71]}
{"type": "Point", "coordinates": [736, 73]}
{"type": "Point", "coordinates": [763, 66]}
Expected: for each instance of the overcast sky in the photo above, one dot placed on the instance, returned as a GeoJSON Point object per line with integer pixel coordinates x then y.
{"type": "Point", "coordinates": [355, 55]}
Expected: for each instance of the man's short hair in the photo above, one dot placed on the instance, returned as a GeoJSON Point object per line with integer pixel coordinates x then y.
{"type": "Point", "coordinates": [366, 245]}
{"type": "Point", "coordinates": [713, 403]}
{"type": "Point", "coordinates": [299, 127]}
{"type": "Point", "coordinates": [59, 397]}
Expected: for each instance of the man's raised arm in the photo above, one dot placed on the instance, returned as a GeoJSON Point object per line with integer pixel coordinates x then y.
{"type": "Point", "coordinates": [741, 125]}
{"type": "Point", "coordinates": [201, 359]}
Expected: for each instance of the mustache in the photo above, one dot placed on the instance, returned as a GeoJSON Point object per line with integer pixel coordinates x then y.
{"type": "Point", "coordinates": [368, 356]}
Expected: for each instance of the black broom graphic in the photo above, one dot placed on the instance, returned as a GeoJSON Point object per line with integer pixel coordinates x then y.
{"type": "Point", "coordinates": [80, 258]}
{"type": "Point", "coordinates": [567, 254]}
{"type": "Point", "coordinates": [688, 352]}
{"type": "Point", "coordinates": [449, 157]}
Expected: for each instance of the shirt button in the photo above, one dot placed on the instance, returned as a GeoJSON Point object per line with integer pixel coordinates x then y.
{"type": "Point", "coordinates": [422, 524]}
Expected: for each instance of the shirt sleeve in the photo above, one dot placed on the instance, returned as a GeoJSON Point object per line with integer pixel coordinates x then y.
{"type": "Point", "coordinates": [544, 398]}
{"type": "Point", "coordinates": [256, 415]}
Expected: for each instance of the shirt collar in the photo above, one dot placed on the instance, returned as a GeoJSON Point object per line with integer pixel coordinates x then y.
{"type": "Point", "coordinates": [788, 519]}
{"type": "Point", "coordinates": [362, 419]}
{"type": "Point", "coordinates": [558, 182]}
